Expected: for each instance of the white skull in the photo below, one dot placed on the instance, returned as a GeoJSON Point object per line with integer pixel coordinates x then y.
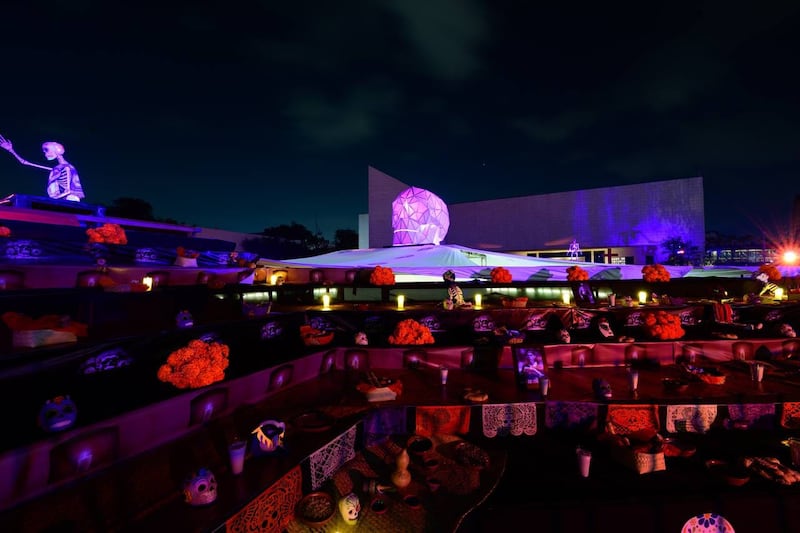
{"type": "Point", "coordinates": [350, 507]}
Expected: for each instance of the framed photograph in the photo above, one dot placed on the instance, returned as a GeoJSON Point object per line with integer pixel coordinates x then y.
{"type": "Point", "coordinates": [584, 295]}
{"type": "Point", "coordinates": [529, 365]}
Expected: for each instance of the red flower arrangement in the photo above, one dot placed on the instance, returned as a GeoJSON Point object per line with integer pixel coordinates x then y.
{"type": "Point", "coordinates": [183, 252]}
{"type": "Point", "coordinates": [653, 273]}
{"type": "Point", "coordinates": [576, 273]}
{"type": "Point", "coordinates": [107, 234]}
{"type": "Point", "coordinates": [5, 232]}
{"type": "Point", "coordinates": [772, 272]}
{"type": "Point", "coordinates": [409, 331]}
{"type": "Point", "coordinates": [663, 326]}
{"type": "Point", "coordinates": [382, 276]}
{"type": "Point", "coordinates": [195, 365]}
{"type": "Point", "coordinates": [501, 275]}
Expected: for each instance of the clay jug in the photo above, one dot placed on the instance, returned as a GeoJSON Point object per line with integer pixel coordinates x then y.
{"type": "Point", "coordinates": [401, 477]}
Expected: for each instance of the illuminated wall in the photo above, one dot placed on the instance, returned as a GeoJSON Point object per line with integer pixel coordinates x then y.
{"type": "Point", "coordinates": [642, 215]}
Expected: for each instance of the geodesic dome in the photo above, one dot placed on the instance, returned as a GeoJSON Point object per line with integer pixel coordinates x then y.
{"type": "Point", "coordinates": [419, 217]}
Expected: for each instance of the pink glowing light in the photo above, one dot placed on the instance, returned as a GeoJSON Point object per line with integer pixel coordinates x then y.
{"type": "Point", "coordinates": [419, 217]}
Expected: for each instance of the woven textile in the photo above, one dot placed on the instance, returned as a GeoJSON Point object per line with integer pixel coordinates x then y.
{"type": "Point", "coordinates": [690, 418]}
{"type": "Point", "coordinates": [751, 416]}
{"type": "Point", "coordinates": [273, 509]}
{"type": "Point", "coordinates": [452, 420]}
{"type": "Point", "coordinates": [326, 461]}
{"type": "Point", "coordinates": [571, 415]}
{"type": "Point", "coordinates": [627, 419]}
{"type": "Point", "coordinates": [790, 415]}
{"type": "Point", "coordinates": [509, 419]}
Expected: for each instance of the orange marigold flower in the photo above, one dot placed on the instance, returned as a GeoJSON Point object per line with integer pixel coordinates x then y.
{"type": "Point", "coordinates": [5, 232]}
{"type": "Point", "coordinates": [107, 234]}
{"type": "Point", "coordinates": [576, 273]}
{"type": "Point", "coordinates": [409, 331]}
{"type": "Point", "coordinates": [501, 275]}
{"type": "Point", "coordinates": [663, 326]}
{"type": "Point", "coordinates": [197, 364]}
{"type": "Point", "coordinates": [382, 276]}
{"type": "Point", "coordinates": [771, 271]}
{"type": "Point", "coordinates": [655, 273]}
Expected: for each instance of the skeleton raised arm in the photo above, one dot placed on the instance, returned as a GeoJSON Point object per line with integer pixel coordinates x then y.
{"type": "Point", "coordinates": [63, 182]}
{"type": "Point", "coordinates": [5, 144]}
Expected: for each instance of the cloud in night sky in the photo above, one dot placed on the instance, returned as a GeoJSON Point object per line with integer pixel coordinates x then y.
{"type": "Point", "coordinates": [252, 115]}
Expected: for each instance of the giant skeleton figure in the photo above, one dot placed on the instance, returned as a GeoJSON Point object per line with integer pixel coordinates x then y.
{"type": "Point", "coordinates": [63, 182]}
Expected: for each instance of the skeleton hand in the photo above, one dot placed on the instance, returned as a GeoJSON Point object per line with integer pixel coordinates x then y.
{"type": "Point", "coordinates": [5, 144]}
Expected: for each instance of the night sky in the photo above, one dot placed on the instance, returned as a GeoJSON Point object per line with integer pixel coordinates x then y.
{"type": "Point", "coordinates": [269, 113]}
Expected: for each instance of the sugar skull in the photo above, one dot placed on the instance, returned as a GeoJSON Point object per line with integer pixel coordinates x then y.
{"type": "Point", "coordinates": [184, 319]}
{"type": "Point", "coordinates": [268, 437]}
{"type": "Point", "coordinates": [483, 323]}
{"type": "Point", "coordinates": [419, 217]}
{"type": "Point", "coordinates": [361, 338]}
{"type": "Point", "coordinates": [271, 330]}
{"type": "Point", "coordinates": [146, 255]}
{"type": "Point", "coordinates": [431, 322]}
{"type": "Point", "coordinates": [200, 488]}
{"type": "Point", "coordinates": [602, 389]}
{"type": "Point", "coordinates": [349, 508]}
{"type": "Point", "coordinates": [108, 360]}
{"type": "Point", "coordinates": [58, 414]}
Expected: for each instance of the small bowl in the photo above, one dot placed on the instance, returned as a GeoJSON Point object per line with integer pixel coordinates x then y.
{"type": "Point", "coordinates": [735, 476]}
{"type": "Point", "coordinates": [315, 509]}
{"type": "Point", "coordinates": [419, 445]}
{"type": "Point", "coordinates": [379, 505]}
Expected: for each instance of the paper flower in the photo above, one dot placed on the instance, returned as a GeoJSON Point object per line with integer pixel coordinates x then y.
{"type": "Point", "coordinates": [576, 273]}
{"type": "Point", "coordinates": [501, 275]}
{"type": "Point", "coordinates": [107, 234]}
{"type": "Point", "coordinates": [663, 326]}
{"type": "Point", "coordinates": [382, 276]}
{"type": "Point", "coordinates": [195, 365]}
{"type": "Point", "coordinates": [653, 273]}
{"type": "Point", "coordinates": [409, 331]}
{"type": "Point", "coordinates": [772, 272]}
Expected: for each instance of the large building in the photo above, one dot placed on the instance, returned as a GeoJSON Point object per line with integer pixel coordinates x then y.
{"type": "Point", "coordinates": [623, 224]}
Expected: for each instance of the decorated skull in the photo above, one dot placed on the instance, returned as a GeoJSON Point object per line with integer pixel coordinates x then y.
{"type": "Point", "coordinates": [349, 508]}
{"type": "Point", "coordinates": [200, 488]}
{"type": "Point", "coordinates": [320, 323]}
{"type": "Point", "coordinates": [58, 414]}
{"type": "Point", "coordinates": [483, 323]}
{"type": "Point", "coordinates": [361, 339]}
{"type": "Point", "coordinates": [431, 322]}
{"type": "Point", "coordinates": [271, 330]}
{"type": "Point", "coordinates": [146, 255]}
{"type": "Point", "coordinates": [184, 319]}
{"type": "Point", "coordinates": [564, 336]}
{"type": "Point", "coordinates": [108, 360]}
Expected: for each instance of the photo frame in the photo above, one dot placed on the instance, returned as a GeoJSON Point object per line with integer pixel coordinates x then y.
{"type": "Point", "coordinates": [584, 294]}
{"type": "Point", "coordinates": [529, 364]}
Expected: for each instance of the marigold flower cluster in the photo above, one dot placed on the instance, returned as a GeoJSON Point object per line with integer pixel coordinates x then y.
{"type": "Point", "coordinates": [771, 271]}
{"type": "Point", "coordinates": [663, 326]}
{"type": "Point", "coordinates": [195, 365]}
{"type": "Point", "coordinates": [107, 234]}
{"type": "Point", "coordinates": [5, 231]}
{"type": "Point", "coordinates": [409, 331]}
{"type": "Point", "coordinates": [382, 276]}
{"type": "Point", "coordinates": [576, 273]}
{"type": "Point", "coordinates": [653, 273]}
{"type": "Point", "coordinates": [183, 252]}
{"type": "Point", "coordinates": [501, 275]}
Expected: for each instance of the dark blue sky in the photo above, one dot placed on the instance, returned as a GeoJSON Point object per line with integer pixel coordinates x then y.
{"type": "Point", "coordinates": [253, 116]}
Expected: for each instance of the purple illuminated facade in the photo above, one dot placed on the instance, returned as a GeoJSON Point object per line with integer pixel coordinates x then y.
{"type": "Point", "coordinates": [638, 217]}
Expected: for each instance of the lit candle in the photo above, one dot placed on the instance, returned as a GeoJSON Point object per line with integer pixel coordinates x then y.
{"type": "Point", "coordinates": [478, 301]}
{"type": "Point", "coordinates": [148, 282]}
{"type": "Point", "coordinates": [326, 302]}
{"type": "Point", "coordinates": [273, 279]}
{"type": "Point", "coordinates": [779, 293]}
{"type": "Point", "coordinates": [401, 302]}
{"type": "Point", "coordinates": [642, 297]}
{"type": "Point", "coordinates": [565, 297]}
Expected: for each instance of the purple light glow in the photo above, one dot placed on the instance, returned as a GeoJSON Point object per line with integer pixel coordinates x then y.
{"type": "Point", "coordinates": [419, 217]}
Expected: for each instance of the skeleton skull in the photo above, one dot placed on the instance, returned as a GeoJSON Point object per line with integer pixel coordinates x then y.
{"type": "Point", "coordinates": [52, 150]}
{"type": "Point", "coordinates": [350, 507]}
{"type": "Point", "coordinates": [200, 488]}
